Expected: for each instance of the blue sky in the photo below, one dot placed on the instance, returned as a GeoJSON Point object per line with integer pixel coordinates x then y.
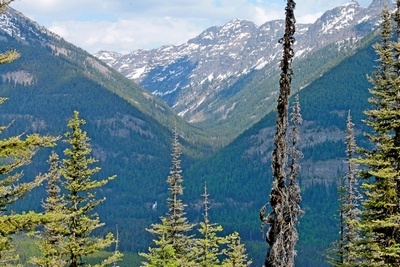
{"type": "Point", "coordinates": [127, 25]}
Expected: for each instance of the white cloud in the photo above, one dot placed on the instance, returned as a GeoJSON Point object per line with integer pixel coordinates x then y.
{"type": "Point", "coordinates": [309, 18]}
{"type": "Point", "coordinates": [126, 35]}
{"type": "Point", "coordinates": [127, 25]}
{"type": "Point", "coordinates": [261, 15]}
{"type": "Point", "coordinates": [60, 31]}
{"type": "Point", "coordinates": [61, 9]}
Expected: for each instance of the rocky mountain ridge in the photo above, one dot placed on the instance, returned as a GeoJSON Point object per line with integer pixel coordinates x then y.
{"type": "Point", "coordinates": [15, 27]}
{"type": "Point", "coordinates": [190, 77]}
{"type": "Point", "coordinates": [53, 77]}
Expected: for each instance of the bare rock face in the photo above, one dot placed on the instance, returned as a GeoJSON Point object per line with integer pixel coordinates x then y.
{"type": "Point", "coordinates": [190, 76]}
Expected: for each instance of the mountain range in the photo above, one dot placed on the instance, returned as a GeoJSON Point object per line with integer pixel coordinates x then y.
{"type": "Point", "coordinates": [225, 79]}
{"type": "Point", "coordinates": [230, 142]}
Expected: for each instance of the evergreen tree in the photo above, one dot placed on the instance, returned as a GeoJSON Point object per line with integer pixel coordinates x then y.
{"type": "Point", "coordinates": [15, 153]}
{"type": "Point", "coordinates": [280, 236]}
{"type": "Point", "coordinates": [351, 215]}
{"type": "Point", "coordinates": [335, 254]}
{"type": "Point", "coordinates": [208, 245]}
{"type": "Point", "coordinates": [116, 251]}
{"type": "Point", "coordinates": [294, 195]}
{"type": "Point", "coordinates": [379, 226]}
{"type": "Point", "coordinates": [174, 246]}
{"type": "Point", "coordinates": [79, 199]}
{"type": "Point", "coordinates": [163, 254]}
{"type": "Point", "coordinates": [235, 253]}
{"type": "Point", "coordinates": [344, 252]}
{"type": "Point", "coordinates": [52, 239]}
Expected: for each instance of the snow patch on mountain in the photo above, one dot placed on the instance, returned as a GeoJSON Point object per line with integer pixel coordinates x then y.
{"type": "Point", "coordinates": [221, 55]}
{"type": "Point", "coordinates": [136, 73]}
{"type": "Point", "coordinates": [7, 25]}
{"type": "Point", "coordinates": [341, 19]}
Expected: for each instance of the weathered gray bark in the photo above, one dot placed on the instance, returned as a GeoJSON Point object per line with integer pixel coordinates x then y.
{"type": "Point", "coordinates": [280, 236]}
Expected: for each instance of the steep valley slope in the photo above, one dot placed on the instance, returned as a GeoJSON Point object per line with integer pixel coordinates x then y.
{"type": "Point", "coordinates": [226, 79]}
{"type": "Point", "coordinates": [131, 136]}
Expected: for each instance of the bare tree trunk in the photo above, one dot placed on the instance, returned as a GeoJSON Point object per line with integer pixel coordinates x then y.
{"type": "Point", "coordinates": [278, 254]}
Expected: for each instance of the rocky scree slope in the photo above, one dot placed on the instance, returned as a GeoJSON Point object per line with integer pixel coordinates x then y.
{"type": "Point", "coordinates": [226, 71]}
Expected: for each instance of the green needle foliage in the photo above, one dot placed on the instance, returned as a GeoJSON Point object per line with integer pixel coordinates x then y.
{"type": "Point", "coordinates": [351, 204]}
{"type": "Point", "coordinates": [174, 247]}
{"type": "Point", "coordinates": [236, 253]}
{"type": "Point", "coordinates": [80, 198]}
{"type": "Point", "coordinates": [51, 242]}
{"type": "Point", "coordinates": [208, 245]}
{"type": "Point", "coordinates": [292, 217]}
{"type": "Point", "coordinates": [380, 220]}
{"type": "Point", "coordinates": [177, 223]}
{"type": "Point", "coordinates": [344, 251]}
{"type": "Point", "coordinates": [16, 153]}
{"type": "Point", "coordinates": [66, 242]}
{"type": "Point", "coordinates": [335, 254]}
{"type": "Point", "coordinates": [163, 254]}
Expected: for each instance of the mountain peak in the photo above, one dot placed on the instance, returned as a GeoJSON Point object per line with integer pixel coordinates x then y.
{"type": "Point", "coordinates": [238, 23]}
{"type": "Point", "coordinates": [351, 3]}
{"type": "Point", "coordinates": [205, 79]}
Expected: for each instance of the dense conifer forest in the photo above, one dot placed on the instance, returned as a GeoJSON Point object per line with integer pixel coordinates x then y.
{"type": "Point", "coordinates": [63, 187]}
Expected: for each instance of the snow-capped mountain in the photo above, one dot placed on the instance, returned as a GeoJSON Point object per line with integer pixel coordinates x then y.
{"type": "Point", "coordinates": [190, 76]}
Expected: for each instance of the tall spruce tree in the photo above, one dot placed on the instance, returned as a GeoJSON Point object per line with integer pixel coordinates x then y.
{"type": "Point", "coordinates": [16, 152]}
{"type": "Point", "coordinates": [292, 217]}
{"type": "Point", "coordinates": [335, 253]}
{"type": "Point", "coordinates": [352, 212]}
{"type": "Point", "coordinates": [211, 248]}
{"type": "Point", "coordinates": [174, 245]}
{"type": "Point", "coordinates": [208, 244]}
{"type": "Point", "coordinates": [380, 220]}
{"type": "Point", "coordinates": [79, 200]}
{"type": "Point", "coordinates": [280, 236]}
{"type": "Point", "coordinates": [51, 240]}
{"type": "Point", "coordinates": [344, 252]}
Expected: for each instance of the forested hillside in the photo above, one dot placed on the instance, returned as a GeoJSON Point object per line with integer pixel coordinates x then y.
{"type": "Point", "coordinates": [130, 133]}
{"type": "Point", "coordinates": [130, 130]}
{"type": "Point", "coordinates": [47, 58]}
{"type": "Point", "coordinates": [225, 79]}
{"type": "Point", "coordinates": [239, 177]}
